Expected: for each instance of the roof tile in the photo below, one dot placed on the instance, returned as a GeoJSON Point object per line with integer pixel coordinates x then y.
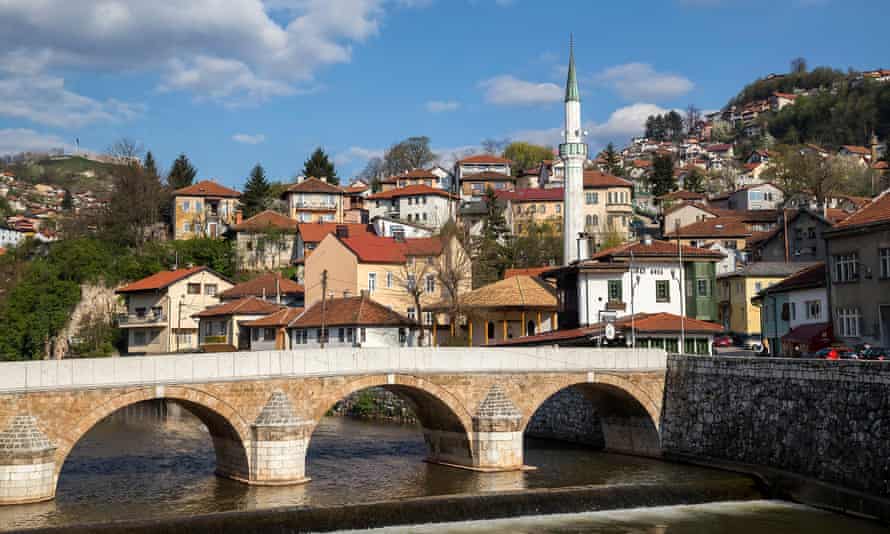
{"type": "Point", "coordinates": [350, 311]}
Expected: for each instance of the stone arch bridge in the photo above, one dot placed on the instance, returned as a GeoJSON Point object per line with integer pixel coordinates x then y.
{"type": "Point", "coordinates": [260, 408]}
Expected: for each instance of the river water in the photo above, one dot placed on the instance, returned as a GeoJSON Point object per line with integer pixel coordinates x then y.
{"type": "Point", "coordinates": [141, 467]}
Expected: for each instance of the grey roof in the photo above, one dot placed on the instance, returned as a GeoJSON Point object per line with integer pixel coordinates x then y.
{"type": "Point", "coordinates": [278, 411]}
{"type": "Point", "coordinates": [769, 268]}
{"type": "Point", "coordinates": [496, 405]}
{"type": "Point", "coordinates": [22, 435]}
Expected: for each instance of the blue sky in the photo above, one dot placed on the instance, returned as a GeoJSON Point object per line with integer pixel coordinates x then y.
{"type": "Point", "coordinates": [236, 82]}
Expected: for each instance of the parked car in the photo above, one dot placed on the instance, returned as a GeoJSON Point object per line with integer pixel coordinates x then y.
{"type": "Point", "coordinates": [875, 353]}
{"type": "Point", "coordinates": [844, 353]}
{"type": "Point", "coordinates": [753, 344]}
{"type": "Point", "coordinates": [723, 341]}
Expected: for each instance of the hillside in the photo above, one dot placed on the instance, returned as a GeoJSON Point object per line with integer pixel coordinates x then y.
{"type": "Point", "coordinates": [75, 173]}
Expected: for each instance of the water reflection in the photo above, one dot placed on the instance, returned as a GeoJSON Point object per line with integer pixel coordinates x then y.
{"type": "Point", "coordinates": [150, 467]}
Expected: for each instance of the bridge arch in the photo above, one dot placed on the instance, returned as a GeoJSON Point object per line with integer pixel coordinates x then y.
{"type": "Point", "coordinates": [228, 430]}
{"type": "Point", "coordinates": [627, 414]}
{"type": "Point", "coordinates": [445, 421]}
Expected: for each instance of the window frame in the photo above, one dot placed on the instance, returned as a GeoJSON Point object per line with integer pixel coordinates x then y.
{"type": "Point", "coordinates": [663, 291]}
{"type": "Point", "coordinates": [611, 288]}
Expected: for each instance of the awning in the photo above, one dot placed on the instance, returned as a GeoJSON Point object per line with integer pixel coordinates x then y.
{"type": "Point", "coordinates": [813, 336]}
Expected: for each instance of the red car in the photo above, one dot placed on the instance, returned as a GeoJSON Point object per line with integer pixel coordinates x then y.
{"type": "Point", "coordinates": [723, 341]}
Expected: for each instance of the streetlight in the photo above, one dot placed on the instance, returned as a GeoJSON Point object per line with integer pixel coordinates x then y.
{"type": "Point", "coordinates": [679, 280]}
{"type": "Point", "coordinates": [633, 285]}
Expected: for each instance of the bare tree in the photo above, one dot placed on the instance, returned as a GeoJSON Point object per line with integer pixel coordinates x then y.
{"type": "Point", "coordinates": [412, 278]}
{"type": "Point", "coordinates": [693, 117]}
{"type": "Point", "coordinates": [801, 171]}
{"type": "Point", "coordinates": [126, 150]}
{"type": "Point", "coordinates": [494, 146]}
{"type": "Point", "coordinates": [454, 267]}
{"type": "Point", "coordinates": [798, 65]}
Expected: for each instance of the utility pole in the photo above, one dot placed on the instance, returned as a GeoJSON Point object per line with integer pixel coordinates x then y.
{"type": "Point", "coordinates": [324, 296]}
{"type": "Point", "coordinates": [682, 291]}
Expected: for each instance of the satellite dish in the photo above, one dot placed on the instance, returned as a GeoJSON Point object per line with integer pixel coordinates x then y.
{"type": "Point", "coordinates": [610, 331]}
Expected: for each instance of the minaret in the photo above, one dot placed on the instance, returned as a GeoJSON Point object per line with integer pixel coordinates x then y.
{"type": "Point", "coordinates": [573, 152]}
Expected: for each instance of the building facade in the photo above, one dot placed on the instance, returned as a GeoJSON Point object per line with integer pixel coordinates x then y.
{"type": "Point", "coordinates": [265, 241]}
{"type": "Point", "coordinates": [205, 209]}
{"type": "Point", "coordinates": [419, 204]}
{"type": "Point", "coordinates": [313, 200]}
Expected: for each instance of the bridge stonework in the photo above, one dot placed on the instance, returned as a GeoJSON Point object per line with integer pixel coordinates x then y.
{"type": "Point", "coordinates": [260, 409]}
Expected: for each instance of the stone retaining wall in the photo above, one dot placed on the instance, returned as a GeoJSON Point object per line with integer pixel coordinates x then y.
{"type": "Point", "coordinates": [827, 420]}
{"type": "Point", "coordinates": [567, 416]}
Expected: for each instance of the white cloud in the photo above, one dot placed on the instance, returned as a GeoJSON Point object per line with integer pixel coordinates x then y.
{"type": "Point", "coordinates": [44, 99]}
{"type": "Point", "coordinates": [14, 140]}
{"type": "Point", "coordinates": [356, 156]}
{"type": "Point", "coordinates": [248, 139]}
{"type": "Point", "coordinates": [440, 106]}
{"type": "Point", "coordinates": [622, 124]}
{"type": "Point", "coordinates": [507, 90]}
{"type": "Point", "coordinates": [232, 50]}
{"type": "Point", "coordinates": [640, 81]}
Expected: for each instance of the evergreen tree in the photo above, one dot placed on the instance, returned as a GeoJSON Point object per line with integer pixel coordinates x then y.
{"type": "Point", "coordinates": [613, 160]}
{"type": "Point", "coordinates": [68, 201]}
{"type": "Point", "coordinates": [694, 181]}
{"type": "Point", "coordinates": [674, 126]}
{"type": "Point", "coordinates": [149, 165]}
{"type": "Point", "coordinates": [182, 173]}
{"type": "Point", "coordinates": [319, 166]}
{"type": "Point", "coordinates": [489, 246]}
{"type": "Point", "coordinates": [662, 179]}
{"type": "Point", "coordinates": [256, 192]}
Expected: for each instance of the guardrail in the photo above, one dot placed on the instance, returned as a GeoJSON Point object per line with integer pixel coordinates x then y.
{"type": "Point", "coordinates": [126, 319]}
{"type": "Point", "coordinates": [227, 366]}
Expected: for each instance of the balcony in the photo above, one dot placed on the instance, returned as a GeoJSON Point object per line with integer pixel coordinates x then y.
{"type": "Point", "coordinates": [131, 320]}
{"type": "Point", "coordinates": [316, 206]}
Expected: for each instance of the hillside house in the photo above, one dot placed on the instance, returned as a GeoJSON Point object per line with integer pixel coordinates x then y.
{"type": "Point", "coordinates": [205, 209]}
{"type": "Point", "coordinates": [312, 200]}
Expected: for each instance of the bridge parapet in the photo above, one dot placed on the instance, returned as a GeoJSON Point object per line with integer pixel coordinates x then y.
{"type": "Point", "coordinates": [229, 366]}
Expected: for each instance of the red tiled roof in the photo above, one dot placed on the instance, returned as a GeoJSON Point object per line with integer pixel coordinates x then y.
{"type": "Point", "coordinates": [789, 96]}
{"type": "Point", "coordinates": [207, 188]}
{"type": "Point", "coordinates": [656, 249]}
{"type": "Point", "coordinates": [487, 176]}
{"type": "Point", "coordinates": [718, 148]}
{"type": "Point", "coordinates": [527, 271]}
{"type": "Point", "coordinates": [861, 150]}
{"type": "Point", "coordinates": [532, 195]}
{"type": "Point", "coordinates": [416, 173]}
{"type": "Point", "coordinates": [350, 311]}
{"type": "Point", "coordinates": [243, 306]}
{"type": "Point", "coordinates": [355, 189]}
{"type": "Point", "coordinates": [282, 317]}
{"type": "Point", "coordinates": [370, 248]}
{"type": "Point", "coordinates": [411, 190]}
{"type": "Point", "coordinates": [594, 179]}
{"type": "Point", "coordinates": [881, 165]}
{"type": "Point", "coordinates": [314, 185]}
{"type": "Point", "coordinates": [484, 158]}
{"type": "Point", "coordinates": [266, 220]}
{"type": "Point", "coordinates": [159, 280]}
{"type": "Point", "coordinates": [716, 227]}
{"type": "Point", "coordinates": [752, 166]}
{"type": "Point", "coordinates": [876, 211]}
{"type": "Point", "coordinates": [315, 232]}
{"type": "Point", "coordinates": [263, 285]}
{"type": "Point", "coordinates": [643, 323]}
{"type": "Point", "coordinates": [640, 163]}
{"type": "Point", "coordinates": [807, 333]}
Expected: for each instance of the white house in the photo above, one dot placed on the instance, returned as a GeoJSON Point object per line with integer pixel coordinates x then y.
{"type": "Point", "coordinates": [420, 204]}
{"type": "Point", "coordinates": [754, 197]}
{"type": "Point", "coordinates": [351, 322]}
{"type": "Point", "coordinates": [794, 315]}
{"type": "Point", "coordinates": [390, 227]}
{"type": "Point", "coordinates": [10, 237]}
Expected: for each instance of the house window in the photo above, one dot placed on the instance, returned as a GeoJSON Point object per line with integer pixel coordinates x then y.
{"type": "Point", "coordinates": [845, 267]}
{"type": "Point", "coordinates": [430, 283]}
{"type": "Point", "coordinates": [210, 289]}
{"type": "Point", "coordinates": [427, 317]}
{"type": "Point", "coordinates": [139, 337]}
{"type": "Point", "coordinates": [615, 292]}
{"type": "Point", "coordinates": [558, 208]}
{"type": "Point", "coordinates": [704, 287]}
{"type": "Point", "coordinates": [364, 334]}
{"type": "Point", "coordinates": [186, 206]}
{"type": "Point", "coordinates": [792, 307]}
{"type": "Point", "coordinates": [389, 280]}
{"type": "Point", "coordinates": [412, 313]}
{"type": "Point", "coordinates": [591, 197]}
{"type": "Point", "coordinates": [194, 289]}
{"type": "Point", "coordinates": [350, 335]}
{"type": "Point", "coordinates": [411, 282]}
{"type": "Point", "coordinates": [268, 334]}
{"type": "Point", "coordinates": [372, 282]}
{"type": "Point", "coordinates": [732, 245]}
{"type": "Point", "coordinates": [884, 255]}
{"type": "Point", "coordinates": [403, 337]}
{"type": "Point", "coordinates": [186, 227]}
{"type": "Point", "coordinates": [848, 322]}
{"type": "Point", "coordinates": [341, 334]}
{"type": "Point", "coordinates": [255, 334]}
{"type": "Point", "coordinates": [814, 309]}
{"type": "Point", "coordinates": [758, 286]}
{"type": "Point", "coordinates": [662, 291]}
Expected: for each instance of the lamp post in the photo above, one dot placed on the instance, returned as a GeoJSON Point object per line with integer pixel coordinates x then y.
{"type": "Point", "coordinates": [634, 281]}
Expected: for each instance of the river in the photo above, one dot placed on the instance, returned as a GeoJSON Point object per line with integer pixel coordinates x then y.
{"type": "Point", "coordinates": [136, 467]}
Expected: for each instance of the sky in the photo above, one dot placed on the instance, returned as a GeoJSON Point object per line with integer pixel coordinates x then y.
{"type": "Point", "coordinates": [232, 83]}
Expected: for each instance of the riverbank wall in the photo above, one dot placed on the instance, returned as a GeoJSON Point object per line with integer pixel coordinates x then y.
{"type": "Point", "coordinates": [438, 509]}
{"type": "Point", "coordinates": [815, 430]}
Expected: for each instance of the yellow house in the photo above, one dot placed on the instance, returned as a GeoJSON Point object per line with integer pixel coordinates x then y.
{"type": "Point", "coordinates": [386, 268]}
{"type": "Point", "coordinates": [533, 206]}
{"type": "Point", "coordinates": [607, 205]}
{"type": "Point", "coordinates": [204, 209]}
{"type": "Point", "coordinates": [314, 200]}
{"type": "Point", "coordinates": [736, 312]}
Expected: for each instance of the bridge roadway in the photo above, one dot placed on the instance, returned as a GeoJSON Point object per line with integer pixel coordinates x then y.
{"type": "Point", "coordinates": [260, 408]}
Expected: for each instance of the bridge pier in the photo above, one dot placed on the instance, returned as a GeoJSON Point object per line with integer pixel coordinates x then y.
{"type": "Point", "coordinates": [27, 466]}
{"type": "Point", "coordinates": [279, 444]}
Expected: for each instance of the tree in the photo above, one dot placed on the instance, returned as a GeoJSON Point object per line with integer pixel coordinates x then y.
{"type": "Point", "coordinates": [149, 164]}
{"type": "Point", "coordinates": [126, 149]}
{"type": "Point", "coordinates": [662, 179]}
{"type": "Point", "coordinates": [693, 116]}
{"type": "Point", "coordinates": [412, 153]}
{"type": "Point", "coordinates": [612, 238]}
{"type": "Point", "coordinates": [612, 160]}
{"type": "Point", "coordinates": [694, 181]}
{"type": "Point", "coordinates": [722, 131]}
{"type": "Point", "coordinates": [798, 65]}
{"type": "Point", "coordinates": [526, 155]}
{"type": "Point", "coordinates": [256, 192]}
{"type": "Point", "coordinates": [494, 146]}
{"type": "Point", "coordinates": [68, 201]}
{"type": "Point", "coordinates": [454, 267]}
{"type": "Point", "coordinates": [539, 245]}
{"type": "Point", "coordinates": [320, 166]}
{"type": "Point", "coordinates": [674, 126]}
{"type": "Point", "coordinates": [182, 173]}
{"type": "Point", "coordinates": [372, 173]}
{"type": "Point", "coordinates": [134, 207]}
{"type": "Point", "coordinates": [489, 249]}
{"type": "Point", "coordinates": [798, 170]}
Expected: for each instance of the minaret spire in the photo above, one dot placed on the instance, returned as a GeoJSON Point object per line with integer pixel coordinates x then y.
{"type": "Point", "coordinates": [572, 81]}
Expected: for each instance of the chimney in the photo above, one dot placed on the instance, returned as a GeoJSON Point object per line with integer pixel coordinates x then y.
{"type": "Point", "coordinates": [647, 240]}
{"type": "Point", "coordinates": [346, 294]}
{"type": "Point", "coordinates": [238, 216]}
{"type": "Point", "coordinates": [342, 230]}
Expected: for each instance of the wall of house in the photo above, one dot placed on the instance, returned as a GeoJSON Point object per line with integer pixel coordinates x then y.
{"type": "Point", "coordinates": [514, 326]}
{"type": "Point", "coordinates": [597, 214]}
{"type": "Point", "coordinates": [701, 301]}
{"type": "Point", "coordinates": [772, 325]}
{"type": "Point", "coordinates": [799, 300]}
{"type": "Point", "coordinates": [265, 251]}
{"type": "Point", "coordinates": [153, 340]}
{"type": "Point", "coordinates": [197, 218]}
{"type": "Point", "coordinates": [869, 295]}
{"type": "Point", "coordinates": [593, 292]}
{"type": "Point", "coordinates": [434, 212]}
{"type": "Point", "coordinates": [341, 265]}
{"type": "Point", "coordinates": [375, 337]}
{"type": "Point", "coordinates": [385, 227]}
{"type": "Point", "coordinates": [801, 247]}
{"type": "Point", "coordinates": [314, 207]}
{"type": "Point", "coordinates": [523, 214]}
